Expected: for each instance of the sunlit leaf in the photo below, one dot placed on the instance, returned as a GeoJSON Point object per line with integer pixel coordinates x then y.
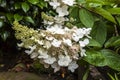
{"type": "Point", "coordinates": [33, 1]}
{"type": "Point", "coordinates": [114, 10]}
{"type": "Point", "coordinates": [104, 13]}
{"type": "Point", "coordinates": [86, 18]}
{"type": "Point", "coordinates": [25, 7]}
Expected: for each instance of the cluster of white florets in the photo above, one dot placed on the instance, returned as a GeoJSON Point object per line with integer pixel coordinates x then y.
{"type": "Point", "coordinates": [58, 46]}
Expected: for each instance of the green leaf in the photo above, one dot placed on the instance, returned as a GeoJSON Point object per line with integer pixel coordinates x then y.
{"type": "Point", "coordinates": [99, 32]}
{"type": "Point", "coordinates": [94, 43]}
{"type": "Point", "coordinates": [103, 2]}
{"type": "Point", "coordinates": [114, 10]}
{"type": "Point", "coordinates": [25, 7]}
{"type": "Point", "coordinates": [112, 78]}
{"type": "Point", "coordinates": [74, 13]}
{"type": "Point", "coordinates": [17, 17]}
{"type": "Point", "coordinates": [118, 19]}
{"type": "Point", "coordinates": [86, 75]}
{"type": "Point", "coordinates": [112, 59]}
{"type": "Point", "coordinates": [113, 41]}
{"type": "Point", "coordinates": [42, 4]}
{"type": "Point", "coordinates": [95, 1]}
{"type": "Point", "coordinates": [103, 57]}
{"type": "Point", "coordinates": [33, 1]}
{"type": "Point", "coordinates": [29, 19]}
{"type": "Point", "coordinates": [86, 18]}
{"type": "Point", "coordinates": [95, 58]}
{"type": "Point", "coordinates": [104, 13]}
{"type": "Point", "coordinates": [10, 17]}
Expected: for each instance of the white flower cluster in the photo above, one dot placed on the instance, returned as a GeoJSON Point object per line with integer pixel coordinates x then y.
{"type": "Point", "coordinates": [59, 46]}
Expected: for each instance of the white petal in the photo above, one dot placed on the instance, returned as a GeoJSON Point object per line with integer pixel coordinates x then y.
{"type": "Point", "coordinates": [67, 42]}
{"type": "Point", "coordinates": [56, 43]}
{"type": "Point", "coordinates": [50, 60]}
{"type": "Point", "coordinates": [62, 11]}
{"type": "Point", "coordinates": [72, 66]}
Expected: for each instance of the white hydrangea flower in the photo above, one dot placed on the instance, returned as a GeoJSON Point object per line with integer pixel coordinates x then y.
{"type": "Point", "coordinates": [47, 44]}
{"type": "Point", "coordinates": [40, 42]}
{"type": "Point", "coordinates": [64, 60]}
{"type": "Point", "coordinates": [84, 42]}
{"type": "Point", "coordinates": [80, 33]}
{"type": "Point", "coordinates": [67, 42]}
{"type": "Point", "coordinates": [56, 29]}
{"type": "Point", "coordinates": [87, 32]}
{"type": "Point", "coordinates": [32, 48]}
{"type": "Point", "coordinates": [56, 43]}
{"type": "Point", "coordinates": [56, 67]}
{"type": "Point", "coordinates": [69, 2]}
{"type": "Point", "coordinates": [50, 60]}
{"type": "Point", "coordinates": [82, 52]}
{"type": "Point", "coordinates": [72, 66]}
{"type": "Point", "coordinates": [33, 55]}
{"type": "Point", "coordinates": [75, 37]}
{"type": "Point", "coordinates": [62, 11]}
{"type": "Point", "coordinates": [50, 38]}
{"type": "Point", "coordinates": [42, 53]}
{"type": "Point", "coordinates": [47, 22]}
{"type": "Point", "coordinates": [60, 20]}
{"type": "Point", "coordinates": [54, 3]}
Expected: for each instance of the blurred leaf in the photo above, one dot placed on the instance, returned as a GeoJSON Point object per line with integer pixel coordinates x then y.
{"type": "Point", "coordinates": [29, 19]}
{"type": "Point", "coordinates": [113, 41]}
{"type": "Point", "coordinates": [114, 10]}
{"type": "Point", "coordinates": [4, 35]}
{"type": "Point", "coordinates": [86, 75]}
{"type": "Point", "coordinates": [10, 17]}
{"type": "Point", "coordinates": [99, 32]}
{"type": "Point", "coordinates": [86, 18]}
{"type": "Point", "coordinates": [17, 5]}
{"type": "Point", "coordinates": [33, 1]}
{"type": "Point", "coordinates": [17, 17]}
{"type": "Point", "coordinates": [118, 19]}
{"type": "Point", "coordinates": [1, 23]}
{"type": "Point", "coordinates": [112, 78]}
{"type": "Point", "coordinates": [25, 7]}
{"type": "Point", "coordinates": [42, 4]}
{"type": "Point", "coordinates": [104, 13]}
{"type": "Point", "coordinates": [116, 77]}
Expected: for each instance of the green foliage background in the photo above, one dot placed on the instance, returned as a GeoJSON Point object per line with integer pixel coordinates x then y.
{"type": "Point", "coordinates": [103, 16]}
